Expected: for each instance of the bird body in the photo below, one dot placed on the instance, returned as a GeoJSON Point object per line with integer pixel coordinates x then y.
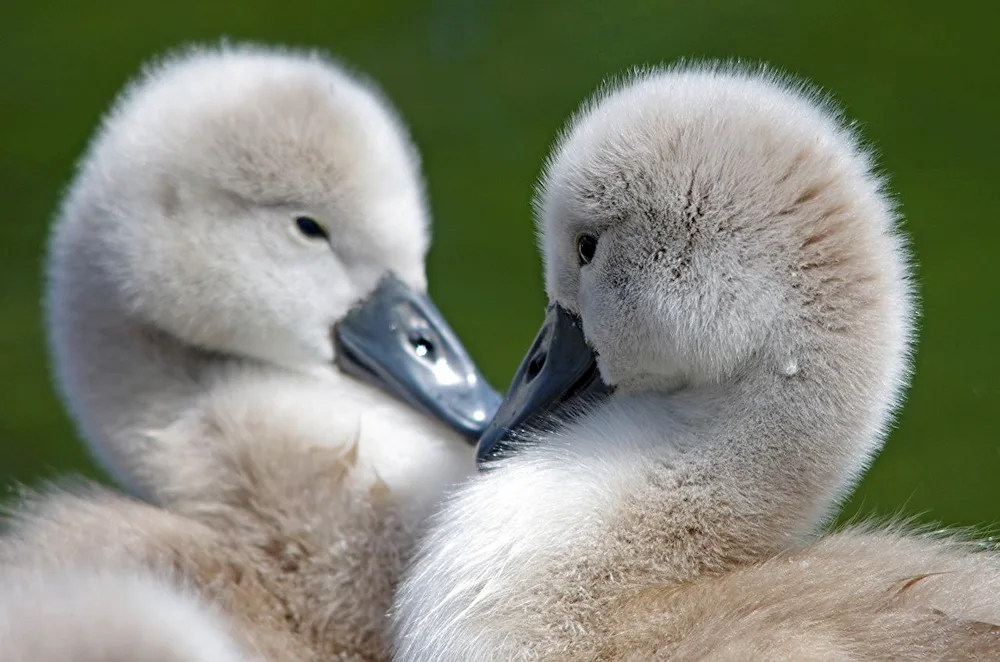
{"type": "Point", "coordinates": [721, 254]}
{"type": "Point", "coordinates": [238, 210]}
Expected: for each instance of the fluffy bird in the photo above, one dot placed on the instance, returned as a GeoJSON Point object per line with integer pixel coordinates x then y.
{"type": "Point", "coordinates": [238, 317]}
{"type": "Point", "coordinates": [728, 336]}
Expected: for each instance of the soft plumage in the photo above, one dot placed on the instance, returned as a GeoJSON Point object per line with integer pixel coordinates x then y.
{"type": "Point", "coordinates": [718, 242]}
{"type": "Point", "coordinates": [48, 614]}
{"type": "Point", "coordinates": [235, 205]}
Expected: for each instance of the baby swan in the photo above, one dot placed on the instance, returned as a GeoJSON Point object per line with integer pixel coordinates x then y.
{"type": "Point", "coordinates": [241, 253]}
{"type": "Point", "coordinates": [729, 332]}
{"type": "Point", "coordinates": [233, 209]}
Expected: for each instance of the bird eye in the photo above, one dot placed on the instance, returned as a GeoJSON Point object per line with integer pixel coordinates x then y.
{"type": "Point", "coordinates": [311, 229]}
{"type": "Point", "coordinates": [586, 246]}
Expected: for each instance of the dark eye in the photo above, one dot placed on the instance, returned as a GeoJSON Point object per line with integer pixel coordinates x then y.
{"type": "Point", "coordinates": [586, 245]}
{"type": "Point", "coordinates": [310, 228]}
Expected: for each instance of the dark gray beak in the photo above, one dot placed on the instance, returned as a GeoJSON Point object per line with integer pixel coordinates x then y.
{"type": "Point", "coordinates": [399, 341]}
{"type": "Point", "coordinates": [560, 368]}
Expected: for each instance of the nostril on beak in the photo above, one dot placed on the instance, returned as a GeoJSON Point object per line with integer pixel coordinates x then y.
{"type": "Point", "coordinates": [536, 366]}
{"type": "Point", "coordinates": [422, 346]}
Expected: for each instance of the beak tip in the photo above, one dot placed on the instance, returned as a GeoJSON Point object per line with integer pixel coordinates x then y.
{"type": "Point", "coordinates": [472, 419]}
{"type": "Point", "coordinates": [491, 444]}
{"type": "Point", "coordinates": [373, 343]}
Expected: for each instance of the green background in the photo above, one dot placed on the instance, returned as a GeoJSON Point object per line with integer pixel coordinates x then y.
{"type": "Point", "coordinates": [484, 87]}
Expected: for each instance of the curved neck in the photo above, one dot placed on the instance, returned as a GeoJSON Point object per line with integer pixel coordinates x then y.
{"type": "Point", "coordinates": [122, 383]}
{"type": "Point", "coordinates": [319, 479]}
{"type": "Point", "coordinates": [645, 490]}
{"type": "Point", "coordinates": [127, 386]}
{"type": "Point", "coordinates": [707, 477]}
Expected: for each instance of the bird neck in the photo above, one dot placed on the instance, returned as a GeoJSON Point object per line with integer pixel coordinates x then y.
{"type": "Point", "coordinates": [645, 489]}
{"type": "Point", "coordinates": [130, 388]}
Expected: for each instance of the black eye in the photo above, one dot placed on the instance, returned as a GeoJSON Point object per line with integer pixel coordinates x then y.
{"type": "Point", "coordinates": [310, 228]}
{"type": "Point", "coordinates": [586, 245]}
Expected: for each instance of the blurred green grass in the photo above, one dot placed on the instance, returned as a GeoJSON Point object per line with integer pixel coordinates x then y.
{"type": "Point", "coordinates": [485, 86]}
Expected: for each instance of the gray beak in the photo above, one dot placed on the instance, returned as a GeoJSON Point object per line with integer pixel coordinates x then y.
{"type": "Point", "coordinates": [397, 340]}
{"type": "Point", "coordinates": [559, 368]}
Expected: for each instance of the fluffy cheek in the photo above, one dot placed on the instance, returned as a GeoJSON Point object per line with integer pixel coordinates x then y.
{"type": "Point", "coordinates": [286, 317]}
{"type": "Point", "coordinates": [649, 337]}
{"type": "Point", "coordinates": [707, 329]}
{"type": "Point", "coordinates": [617, 329]}
{"type": "Point", "coordinates": [248, 303]}
{"type": "Point", "coordinates": [562, 276]}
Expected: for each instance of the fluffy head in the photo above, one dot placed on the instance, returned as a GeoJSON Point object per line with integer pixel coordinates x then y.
{"type": "Point", "coordinates": [737, 220]}
{"type": "Point", "coordinates": [184, 213]}
{"type": "Point", "coordinates": [235, 203]}
{"type": "Point", "coordinates": [737, 269]}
